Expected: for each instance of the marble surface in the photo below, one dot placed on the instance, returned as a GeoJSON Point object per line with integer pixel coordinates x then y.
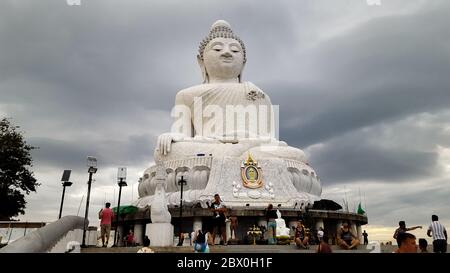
{"type": "Point", "coordinates": [208, 152]}
{"type": "Point", "coordinates": [160, 234]}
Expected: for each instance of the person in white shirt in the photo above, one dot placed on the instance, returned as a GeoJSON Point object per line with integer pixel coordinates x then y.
{"type": "Point", "coordinates": [320, 234]}
{"type": "Point", "coordinates": [439, 235]}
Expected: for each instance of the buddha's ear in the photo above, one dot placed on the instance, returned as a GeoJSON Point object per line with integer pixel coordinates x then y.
{"type": "Point", "coordinates": [203, 69]}
{"type": "Point", "coordinates": [240, 74]}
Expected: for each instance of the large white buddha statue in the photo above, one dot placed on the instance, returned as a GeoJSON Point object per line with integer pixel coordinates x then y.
{"type": "Point", "coordinates": [223, 139]}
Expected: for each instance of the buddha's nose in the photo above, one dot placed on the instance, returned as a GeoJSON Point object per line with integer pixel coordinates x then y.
{"type": "Point", "coordinates": [227, 55]}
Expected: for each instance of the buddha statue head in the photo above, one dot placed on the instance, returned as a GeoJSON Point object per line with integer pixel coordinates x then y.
{"type": "Point", "coordinates": [221, 55]}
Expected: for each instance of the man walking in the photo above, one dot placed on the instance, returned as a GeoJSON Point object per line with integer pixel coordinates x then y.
{"type": "Point", "coordinates": [106, 215]}
{"type": "Point", "coordinates": [439, 235]}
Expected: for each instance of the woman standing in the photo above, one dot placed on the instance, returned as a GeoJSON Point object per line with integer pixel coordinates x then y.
{"type": "Point", "coordinates": [271, 215]}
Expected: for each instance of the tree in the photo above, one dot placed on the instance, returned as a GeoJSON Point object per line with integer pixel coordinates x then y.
{"type": "Point", "coordinates": [16, 179]}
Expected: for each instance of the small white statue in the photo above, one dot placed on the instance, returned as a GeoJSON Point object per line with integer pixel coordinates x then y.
{"type": "Point", "coordinates": [159, 211]}
{"type": "Point", "coordinates": [282, 230]}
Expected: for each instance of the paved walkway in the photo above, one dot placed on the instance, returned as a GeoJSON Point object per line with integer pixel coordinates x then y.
{"type": "Point", "coordinates": [225, 249]}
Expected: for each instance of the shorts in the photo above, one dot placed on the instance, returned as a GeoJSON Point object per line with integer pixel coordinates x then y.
{"type": "Point", "coordinates": [440, 246]}
{"type": "Point", "coordinates": [105, 230]}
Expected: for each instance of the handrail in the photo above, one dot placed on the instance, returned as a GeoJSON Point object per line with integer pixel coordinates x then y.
{"type": "Point", "coordinates": [43, 239]}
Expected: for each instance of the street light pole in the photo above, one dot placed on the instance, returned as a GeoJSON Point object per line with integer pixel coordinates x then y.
{"type": "Point", "coordinates": [182, 182]}
{"type": "Point", "coordinates": [87, 209]}
{"type": "Point", "coordinates": [66, 183]}
{"type": "Point", "coordinates": [122, 173]}
{"type": "Point", "coordinates": [92, 164]}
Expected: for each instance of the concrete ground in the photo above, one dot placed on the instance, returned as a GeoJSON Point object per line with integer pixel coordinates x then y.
{"type": "Point", "coordinates": [230, 249]}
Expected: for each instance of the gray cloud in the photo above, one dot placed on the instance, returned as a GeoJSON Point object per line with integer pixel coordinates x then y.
{"type": "Point", "coordinates": [371, 74]}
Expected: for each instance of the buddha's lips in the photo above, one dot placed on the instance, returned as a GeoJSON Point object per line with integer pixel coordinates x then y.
{"type": "Point", "coordinates": [226, 59]}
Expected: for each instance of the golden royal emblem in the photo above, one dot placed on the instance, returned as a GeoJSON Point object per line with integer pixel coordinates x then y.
{"type": "Point", "coordinates": [251, 173]}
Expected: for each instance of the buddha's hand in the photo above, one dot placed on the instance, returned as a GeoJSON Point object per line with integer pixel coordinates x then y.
{"type": "Point", "coordinates": [165, 140]}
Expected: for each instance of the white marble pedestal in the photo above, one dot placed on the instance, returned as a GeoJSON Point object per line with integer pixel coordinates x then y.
{"type": "Point", "coordinates": [160, 234]}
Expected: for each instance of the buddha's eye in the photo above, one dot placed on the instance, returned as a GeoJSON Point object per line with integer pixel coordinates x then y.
{"type": "Point", "coordinates": [217, 47]}
{"type": "Point", "coordinates": [235, 49]}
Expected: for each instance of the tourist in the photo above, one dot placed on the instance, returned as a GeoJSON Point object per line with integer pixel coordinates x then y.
{"type": "Point", "coordinates": [106, 215]}
{"type": "Point", "coordinates": [402, 229]}
{"type": "Point", "coordinates": [301, 239]}
{"type": "Point", "coordinates": [323, 245]}
{"type": "Point", "coordinates": [366, 240]}
{"type": "Point", "coordinates": [201, 241]}
{"type": "Point", "coordinates": [181, 239]}
{"type": "Point", "coordinates": [218, 220]}
{"type": "Point", "coordinates": [233, 226]}
{"type": "Point", "coordinates": [423, 244]}
{"type": "Point", "coordinates": [320, 234]}
{"type": "Point", "coordinates": [406, 243]}
{"type": "Point", "coordinates": [129, 239]}
{"type": "Point", "coordinates": [146, 248]}
{"type": "Point", "coordinates": [346, 239]}
{"type": "Point", "coordinates": [271, 216]}
{"type": "Point", "coordinates": [439, 235]}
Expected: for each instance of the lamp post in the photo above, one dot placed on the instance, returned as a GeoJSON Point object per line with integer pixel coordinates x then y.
{"type": "Point", "coordinates": [66, 183]}
{"type": "Point", "coordinates": [121, 176]}
{"type": "Point", "coordinates": [92, 164]}
{"type": "Point", "coordinates": [182, 182]}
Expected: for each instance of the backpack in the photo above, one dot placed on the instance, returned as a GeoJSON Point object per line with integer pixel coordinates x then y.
{"type": "Point", "coordinates": [200, 237]}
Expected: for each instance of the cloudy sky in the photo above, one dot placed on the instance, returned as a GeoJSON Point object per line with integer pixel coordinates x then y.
{"type": "Point", "coordinates": [363, 89]}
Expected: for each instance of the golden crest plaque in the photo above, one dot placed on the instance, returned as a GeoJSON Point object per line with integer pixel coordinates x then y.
{"type": "Point", "coordinates": [251, 173]}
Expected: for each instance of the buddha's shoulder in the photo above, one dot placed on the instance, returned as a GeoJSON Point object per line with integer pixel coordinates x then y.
{"type": "Point", "coordinates": [192, 90]}
{"type": "Point", "coordinates": [198, 90]}
{"type": "Point", "coordinates": [253, 87]}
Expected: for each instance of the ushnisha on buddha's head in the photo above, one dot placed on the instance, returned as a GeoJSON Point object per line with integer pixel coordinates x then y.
{"type": "Point", "coordinates": [221, 55]}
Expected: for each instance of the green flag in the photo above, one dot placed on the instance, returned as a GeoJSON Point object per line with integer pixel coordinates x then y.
{"type": "Point", "coordinates": [360, 210]}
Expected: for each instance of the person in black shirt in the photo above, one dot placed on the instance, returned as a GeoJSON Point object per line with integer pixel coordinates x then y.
{"type": "Point", "coordinates": [219, 218]}
{"type": "Point", "coordinates": [346, 239]}
{"type": "Point", "coordinates": [301, 237]}
{"type": "Point", "coordinates": [402, 229]}
{"type": "Point", "coordinates": [271, 215]}
{"type": "Point", "coordinates": [365, 235]}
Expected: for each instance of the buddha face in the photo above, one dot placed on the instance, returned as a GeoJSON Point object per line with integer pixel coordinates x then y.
{"type": "Point", "coordinates": [223, 59]}
{"type": "Point", "coordinates": [252, 174]}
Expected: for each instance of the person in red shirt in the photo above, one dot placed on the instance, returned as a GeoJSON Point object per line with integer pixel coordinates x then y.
{"type": "Point", "coordinates": [106, 215]}
{"type": "Point", "coordinates": [129, 239]}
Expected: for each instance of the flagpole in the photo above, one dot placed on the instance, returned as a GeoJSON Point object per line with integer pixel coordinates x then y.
{"type": "Point", "coordinates": [359, 189]}
{"type": "Point", "coordinates": [346, 201]}
{"type": "Point", "coordinates": [365, 205]}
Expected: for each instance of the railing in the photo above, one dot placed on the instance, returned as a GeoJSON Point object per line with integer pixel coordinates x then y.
{"type": "Point", "coordinates": [47, 238]}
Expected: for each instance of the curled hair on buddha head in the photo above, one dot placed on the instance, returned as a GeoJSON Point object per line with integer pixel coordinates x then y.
{"type": "Point", "coordinates": [220, 29]}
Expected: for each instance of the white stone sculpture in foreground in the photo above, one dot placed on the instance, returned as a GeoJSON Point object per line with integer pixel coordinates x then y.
{"type": "Point", "coordinates": [223, 139]}
{"type": "Point", "coordinates": [281, 230]}
{"type": "Point", "coordinates": [160, 231]}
